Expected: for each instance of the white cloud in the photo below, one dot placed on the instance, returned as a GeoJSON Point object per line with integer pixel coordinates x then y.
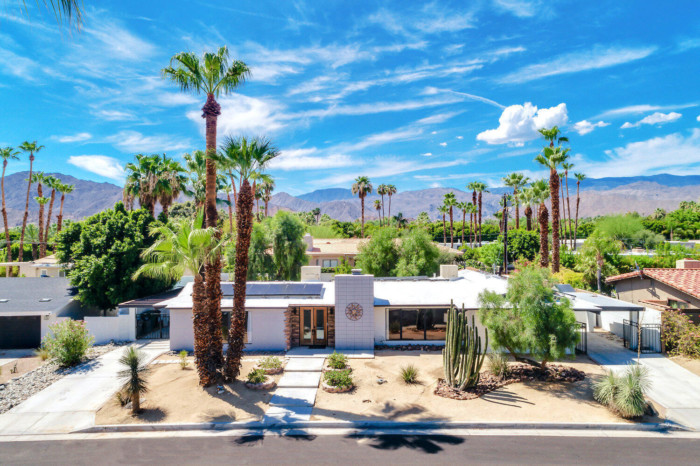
{"type": "Point", "coordinates": [460, 137]}
{"type": "Point", "coordinates": [698, 118]}
{"type": "Point", "coordinates": [434, 90]}
{"type": "Point", "coordinates": [172, 99]}
{"type": "Point", "coordinates": [114, 115]}
{"type": "Point", "coordinates": [584, 126]}
{"type": "Point", "coordinates": [16, 65]}
{"type": "Point", "coordinates": [119, 43]}
{"type": "Point", "coordinates": [443, 144]}
{"type": "Point", "coordinates": [433, 18]}
{"type": "Point", "coordinates": [270, 72]}
{"type": "Point", "coordinates": [596, 58]}
{"type": "Point", "coordinates": [656, 118]}
{"type": "Point", "coordinates": [519, 8]}
{"type": "Point", "coordinates": [99, 164]}
{"type": "Point", "coordinates": [375, 107]}
{"type": "Point", "coordinates": [304, 159]}
{"type": "Point", "coordinates": [674, 154]}
{"type": "Point", "coordinates": [643, 108]}
{"type": "Point", "coordinates": [519, 123]}
{"type": "Point", "coordinates": [243, 114]}
{"type": "Point", "coordinates": [133, 141]}
{"type": "Point", "coordinates": [437, 118]}
{"type": "Point", "coordinates": [427, 154]}
{"type": "Point", "coordinates": [79, 137]}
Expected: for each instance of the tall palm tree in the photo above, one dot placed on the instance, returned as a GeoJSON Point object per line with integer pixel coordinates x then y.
{"type": "Point", "coordinates": [68, 10]}
{"type": "Point", "coordinates": [450, 201]}
{"type": "Point", "coordinates": [6, 154]}
{"type": "Point", "coordinates": [443, 209]}
{"type": "Point", "coordinates": [195, 164]}
{"type": "Point", "coordinates": [516, 181]}
{"type": "Point", "coordinates": [363, 187]}
{"type": "Point", "coordinates": [463, 206]}
{"type": "Point", "coordinates": [400, 220]}
{"type": "Point", "coordinates": [568, 166]}
{"type": "Point", "coordinates": [472, 221]}
{"type": "Point", "coordinates": [316, 212]}
{"type": "Point", "coordinates": [390, 191]}
{"type": "Point", "coordinates": [579, 177]}
{"type": "Point", "coordinates": [31, 148]}
{"type": "Point", "coordinates": [63, 189]}
{"type": "Point", "coordinates": [382, 189]}
{"type": "Point", "coordinates": [480, 189]}
{"type": "Point", "coordinates": [51, 182]}
{"type": "Point", "coordinates": [171, 182]}
{"type": "Point", "coordinates": [526, 198]}
{"type": "Point", "coordinates": [378, 208]}
{"type": "Point", "coordinates": [540, 193]}
{"type": "Point", "coordinates": [552, 158]}
{"type": "Point", "coordinates": [268, 185]}
{"type": "Point", "coordinates": [142, 180]}
{"type": "Point", "coordinates": [187, 246]}
{"type": "Point", "coordinates": [42, 201]}
{"type": "Point", "coordinates": [248, 159]}
{"type": "Point", "coordinates": [32, 237]}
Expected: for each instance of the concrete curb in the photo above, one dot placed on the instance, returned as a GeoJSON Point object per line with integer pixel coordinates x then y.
{"type": "Point", "coordinates": [385, 425]}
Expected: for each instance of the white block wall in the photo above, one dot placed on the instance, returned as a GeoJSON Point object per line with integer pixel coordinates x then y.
{"type": "Point", "coordinates": [181, 330]}
{"type": "Point", "coordinates": [118, 328]}
{"type": "Point", "coordinates": [357, 334]}
{"type": "Point", "coordinates": [266, 330]}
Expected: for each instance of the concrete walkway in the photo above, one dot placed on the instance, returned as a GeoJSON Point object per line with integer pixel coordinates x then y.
{"type": "Point", "coordinates": [296, 391]}
{"type": "Point", "coordinates": [11, 355]}
{"type": "Point", "coordinates": [676, 389]}
{"type": "Point", "coordinates": [71, 403]}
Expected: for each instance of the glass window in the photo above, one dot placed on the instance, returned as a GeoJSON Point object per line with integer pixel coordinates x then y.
{"type": "Point", "coordinates": [330, 262]}
{"type": "Point", "coordinates": [417, 324]}
{"type": "Point", "coordinates": [394, 324]}
{"type": "Point", "coordinates": [412, 325]}
{"type": "Point", "coordinates": [435, 324]}
{"type": "Point", "coordinates": [226, 325]}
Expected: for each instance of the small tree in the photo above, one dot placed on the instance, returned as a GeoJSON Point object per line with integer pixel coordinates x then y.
{"type": "Point", "coordinates": [135, 368]}
{"type": "Point", "coordinates": [530, 317]}
{"type": "Point", "coordinates": [418, 255]}
{"type": "Point", "coordinates": [68, 342]}
{"type": "Point", "coordinates": [380, 255]}
{"type": "Point", "coordinates": [289, 248]}
{"type": "Point", "coordinates": [596, 257]}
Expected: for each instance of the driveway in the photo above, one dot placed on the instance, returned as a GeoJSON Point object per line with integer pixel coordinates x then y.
{"type": "Point", "coordinates": [676, 389]}
{"type": "Point", "coordinates": [71, 402]}
{"type": "Point", "coordinates": [11, 355]}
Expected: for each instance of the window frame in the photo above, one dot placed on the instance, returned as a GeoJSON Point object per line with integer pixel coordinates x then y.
{"type": "Point", "coordinates": [419, 310]}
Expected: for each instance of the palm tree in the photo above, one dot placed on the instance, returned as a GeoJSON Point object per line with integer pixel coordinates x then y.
{"type": "Point", "coordinates": [450, 201]}
{"type": "Point", "coordinates": [516, 181]}
{"type": "Point", "coordinates": [362, 187]}
{"type": "Point", "coordinates": [540, 193]}
{"type": "Point", "coordinates": [463, 206]}
{"type": "Point", "coordinates": [400, 220]}
{"type": "Point", "coordinates": [195, 164]}
{"type": "Point", "coordinates": [579, 177]}
{"type": "Point", "coordinates": [526, 198]}
{"type": "Point", "coordinates": [443, 209]}
{"type": "Point", "coordinates": [170, 183]}
{"type": "Point", "coordinates": [187, 246]}
{"type": "Point", "coordinates": [135, 368]}
{"type": "Point", "coordinates": [472, 220]}
{"type": "Point", "coordinates": [568, 166]}
{"type": "Point", "coordinates": [316, 212]}
{"type": "Point", "coordinates": [142, 181]}
{"type": "Point", "coordinates": [390, 191]}
{"type": "Point", "coordinates": [378, 208]}
{"type": "Point", "coordinates": [552, 158]}
{"type": "Point", "coordinates": [63, 189]}
{"type": "Point", "coordinates": [42, 240]}
{"type": "Point", "coordinates": [248, 160]}
{"type": "Point", "coordinates": [595, 256]}
{"type": "Point", "coordinates": [480, 188]}
{"type": "Point", "coordinates": [268, 185]}
{"type": "Point", "coordinates": [6, 153]}
{"type": "Point", "coordinates": [70, 10]}
{"type": "Point", "coordinates": [32, 237]}
{"type": "Point", "coordinates": [51, 182]}
{"type": "Point", "coordinates": [382, 189]}
{"type": "Point", "coordinates": [32, 148]}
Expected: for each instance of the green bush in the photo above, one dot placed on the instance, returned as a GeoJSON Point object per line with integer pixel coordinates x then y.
{"type": "Point", "coordinates": [680, 335]}
{"type": "Point", "coordinates": [68, 342]}
{"type": "Point", "coordinates": [624, 394]}
{"type": "Point", "coordinates": [183, 360]}
{"type": "Point", "coordinates": [270, 362]}
{"type": "Point", "coordinates": [498, 363]}
{"type": "Point", "coordinates": [409, 374]}
{"type": "Point", "coordinates": [256, 376]}
{"type": "Point", "coordinates": [337, 378]}
{"type": "Point", "coordinates": [337, 361]}
{"type": "Point", "coordinates": [570, 277]}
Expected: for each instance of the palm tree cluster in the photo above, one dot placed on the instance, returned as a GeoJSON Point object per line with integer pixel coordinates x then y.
{"type": "Point", "coordinates": [153, 179]}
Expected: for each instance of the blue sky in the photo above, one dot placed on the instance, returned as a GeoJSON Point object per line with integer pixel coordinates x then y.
{"type": "Point", "coordinates": [418, 94]}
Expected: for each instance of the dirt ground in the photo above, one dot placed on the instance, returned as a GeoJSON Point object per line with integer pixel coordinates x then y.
{"type": "Point", "coordinates": [693, 365]}
{"type": "Point", "coordinates": [397, 401]}
{"type": "Point", "coordinates": [24, 365]}
{"type": "Point", "coordinates": [175, 396]}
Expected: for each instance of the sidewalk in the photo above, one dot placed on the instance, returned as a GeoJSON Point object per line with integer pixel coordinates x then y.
{"type": "Point", "coordinates": [71, 403]}
{"type": "Point", "coordinates": [676, 389]}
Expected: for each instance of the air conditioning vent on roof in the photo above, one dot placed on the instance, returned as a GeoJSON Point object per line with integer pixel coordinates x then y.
{"type": "Point", "coordinates": [44, 300]}
{"type": "Point", "coordinates": [4, 300]}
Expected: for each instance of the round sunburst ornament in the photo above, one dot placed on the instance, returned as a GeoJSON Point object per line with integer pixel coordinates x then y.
{"type": "Point", "coordinates": [353, 311]}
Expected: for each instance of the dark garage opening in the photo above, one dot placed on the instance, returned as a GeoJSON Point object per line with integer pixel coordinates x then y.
{"type": "Point", "coordinates": [20, 332]}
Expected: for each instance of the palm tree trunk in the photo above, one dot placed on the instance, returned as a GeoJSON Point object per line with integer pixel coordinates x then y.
{"type": "Point", "coordinates": [362, 224]}
{"type": "Point", "coordinates": [562, 208]}
{"type": "Point", "coordinates": [59, 219]}
{"type": "Point", "coordinates": [444, 230]}
{"type": "Point", "coordinates": [568, 207]}
{"type": "Point", "coordinates": [389, 209]}
{"type": "Point", "coordinates": [48, 220]}
{"type": "Point", "coordinates": [528, 218]}
{"type": "Point", "coordinates": [517, 208]}
{"type": "Point", "coordinates": [230, 213]}
{"type": "Point", "coordinates": [383, 216]}
{"type": "Point", "coordinates": [135, 403]}
{"type": "Point", "coordinates": [480, 206]}
{"type": "Point", "coordinates": [200, 316]}
{"type": "Point", "coordinates": [26, 209]}
{"type": "Point", "coordinates": [244, 225]}
{"type": "Point", "coordinates": [543, 218]}
{"type": "Point", "coordinates": [8, 245]}
{"type": "Point", "coordinates": [464, 222]}
{"type": "Point", "coordinates": [554, 194]}
{"type": "Point", "coordinates": [578, 201]}
{"type": "Point", "coordinates": [42, 244]}
{"type": "Point", "coordinates": [452, 231]}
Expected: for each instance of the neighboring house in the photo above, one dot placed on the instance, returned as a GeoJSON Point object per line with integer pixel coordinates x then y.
{"type": "Point", "coordinates": [662, 289]}
{"type": "Point", "coordinates": [28, 306]}
{"type": "Point", "coordinates": [149, 321]}
{"type": "Point", "coordinates": [47, 267]}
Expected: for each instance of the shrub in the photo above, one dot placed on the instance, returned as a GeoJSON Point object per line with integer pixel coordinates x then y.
{"type": "Point", "coordinates": [338, 378]}
{"type": "Point", "coordinates": [409, 374]}
{"type": "Point", "coordinates": [624, 394]}
{"type": "Point", "coordinates": [42, 353]}
{"type": "Point", "coordinates": [270, 362]}
{"type": "Point", "coordinates": [680, 335]}
{"type": "Point", "coordinates": [337, 361]}
{"type": "Point", "coordinates": [183, 360]}
{"type": "Point", "coordinates": [570, 277]}
{"type": "Point", "coordinates": [256, 376]}
{"type": "Point", "coordinates": [68, 342]}
{"type": "Point", "coordinates": [498, 363]}
{"type": "Point", "coordinates": [135, 367]}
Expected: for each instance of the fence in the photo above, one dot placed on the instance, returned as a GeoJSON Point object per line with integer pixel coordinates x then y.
{"type": "Point", "coordinates": [650, 336]}
{"type": "Point", "coordinates": [152, 325]}
{"type": "Point", "coordinates": [582, 345]}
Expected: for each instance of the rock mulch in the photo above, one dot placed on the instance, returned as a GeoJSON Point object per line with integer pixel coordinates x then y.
{"type": "Point", "coordinates": [19, 389]}
{"type": "Point", "coordinates": [434, 348]}
{"type": "Point", "coordinates": [518, 373]}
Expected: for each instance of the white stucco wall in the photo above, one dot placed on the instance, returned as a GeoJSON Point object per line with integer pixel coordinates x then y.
{"type": "Point", "coordinates": [45, 323]}
{"type": "Point", "coordinates": [266, 330]}
{"type": "Point", "coordinates": [181, 330]}
{"type": "Point", "coordinates": [587, 317]}
{"type": "Point", "coordinates": [118, 328]}
{"type": "Point", "coordinates": [354, 334]}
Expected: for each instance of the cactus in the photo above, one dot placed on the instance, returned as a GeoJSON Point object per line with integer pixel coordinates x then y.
{"type": "Point", "coordinates": [462, 357]}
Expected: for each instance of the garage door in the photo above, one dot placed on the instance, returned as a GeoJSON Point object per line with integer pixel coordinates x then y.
{"type": "Point", "coordinates": [20, 332]}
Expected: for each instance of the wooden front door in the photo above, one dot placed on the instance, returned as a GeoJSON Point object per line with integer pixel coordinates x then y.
{"type": "Point", "coordinates": [314, 326]}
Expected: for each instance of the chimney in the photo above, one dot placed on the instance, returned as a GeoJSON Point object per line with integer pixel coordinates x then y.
{"type": "Point", "coordinates": [688, 264]}
{"type": "Point", "coordinates": [356, 271]}
{"type": "Point", "coordinates": [448, 271]}
{"type": "Point", "coordinates": [310, 273]}
{"type": "Point", "coordinates": [309, 240]}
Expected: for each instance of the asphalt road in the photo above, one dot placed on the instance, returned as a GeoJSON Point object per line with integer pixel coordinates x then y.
{"type": "Point", "coordinates": [382, 450]}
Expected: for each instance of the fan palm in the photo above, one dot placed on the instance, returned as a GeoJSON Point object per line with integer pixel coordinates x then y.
{"type": "Point", "coordinates": [450, 201]}
{"type": "Point", "coordinates": [170, 183]}
{"type": "Point", "coordinates": [552, 158]}
{"type": "Point", "coordinates": [378, 208]}
{"type": "Point", "coordinates": [247, 160]}
{"type": "Point", "coordinates": [135, 368]}
{"type": "Point", "coordinates": [68, 10]}
{"type": "Point", "coordinates": [42, 201]}
{"type": "Point", "coordinates": [579, 177]}
{"type": "Point", "coordinates": [316, 212]}
{"type": "Point", "coordinates": [527, 199]}
{"type": "Point", "coordinates": [382, 189]}
{"type": "Point", "coordinates": [400, 220]}
{"type": "Point", "coordinates": [187, 246]}
{"type": "Point", "coordinates": [540, 193]}
{"type": "Point", "coordinates": [53, 183]}
{"type": "Point", "coordinates": [6, 154]}
{"type": "Point", "coordinates": [32, 237]}
{"type": "Point", "coordinates": [390, 191]}
{"type": "Point", "coordinates": [142, 180]}
{"type": "Point", "coordinates": [443, 209]}
{"type": "Point", "coordinates": [268, 185]}
{"type": "Point", "coordinates": [568, 166]}
{"type": "Point", "coordinates": [31, 148]}
{"type": "Point", "coordinates": [463, 206]}
{"type": "Point", "coordinates": [516, 181]}
{"type": "Point", "coordinates": [363, 187]}
{"type": "Point", "coordinates": [63, 189]}
{"type": "Point", "coordinates": [480, 189]}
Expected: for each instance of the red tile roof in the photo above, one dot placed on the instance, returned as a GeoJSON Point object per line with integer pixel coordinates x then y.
{"type": "Point", "coordinates": [685, 280]}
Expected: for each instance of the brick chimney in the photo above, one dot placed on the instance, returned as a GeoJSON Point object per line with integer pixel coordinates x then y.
{"type": "Point", "coordinates": [688, 264]}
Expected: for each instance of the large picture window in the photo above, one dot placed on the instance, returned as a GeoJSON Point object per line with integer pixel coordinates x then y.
{"type": "Point", "coordinates": [417, 324]}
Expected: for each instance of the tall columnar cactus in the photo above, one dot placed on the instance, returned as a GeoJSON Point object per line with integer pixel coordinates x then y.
{"type": "Point", "coordinates": [462, 357]}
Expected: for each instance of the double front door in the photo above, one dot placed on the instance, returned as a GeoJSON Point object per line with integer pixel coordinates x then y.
{"type": "Point", "coordinates": [314, 326]}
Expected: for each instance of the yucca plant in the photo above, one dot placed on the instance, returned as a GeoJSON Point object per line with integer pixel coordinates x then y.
{"type": "Point", "coordinates": [409, 374]}
{"type": "Point", "coordinates": [498, 364]}
{"type": "Point", "coordinates": [135, 369]}
{"type": "Point", "coordinates": [624, 394]}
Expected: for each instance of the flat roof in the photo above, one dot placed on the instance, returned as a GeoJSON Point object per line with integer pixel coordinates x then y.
{"type": "Point", "coordinates": [27, 295]}
{"type": "Point", "coordinates": [587, 301]}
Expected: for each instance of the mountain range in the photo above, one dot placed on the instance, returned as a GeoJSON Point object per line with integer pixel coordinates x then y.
{"type": "Point", "coordinates": [600, 196]}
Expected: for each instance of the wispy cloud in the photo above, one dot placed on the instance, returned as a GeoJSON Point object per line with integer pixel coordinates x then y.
{"type": "Point", "coordinates": [433, 18]}
{"type": "Point", "coordinates": [114, 115]}
{"type": "Point", "coordinates": [135, 142]}
{"type": "Point", "coordinates": [309, 159]}
{"type": "Point", "coordinates": [244, 114]}
{"type": "Point", "coordinates": [584, 126]}
{"type": "Point", "coordinates": [102, 165]}
{"type": "Point", "coordinates": [598, 57]}
{"type": "Point", "coordinates": [79, 137]}
{"type": "Point", "coordinates": [656, 118]}
{"type": "Point", "coordinates": [435, 90]}
{"type": "Point", "coordinates": [641, 108]}
{"type": "Point", "coordinates": [16, 65]}
{"type": "Point", "coordinates": [519, 123]}
{"type": "Point", "coordinates": [519, 8]}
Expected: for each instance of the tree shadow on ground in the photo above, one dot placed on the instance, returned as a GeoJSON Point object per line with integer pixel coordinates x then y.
{"type": "Point", "coordinates": [505, 397]}
{"type": "Point", "coordinates": [426, 443]}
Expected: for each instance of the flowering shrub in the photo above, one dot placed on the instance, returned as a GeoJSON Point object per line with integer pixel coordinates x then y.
{"type": "Point", "coordinates": [680, 335]}
{"type": "Point", "coordinates": [68, 342]}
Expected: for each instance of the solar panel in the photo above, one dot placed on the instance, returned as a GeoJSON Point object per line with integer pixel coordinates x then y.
{"type": "Point", "coordinates": [276, 289]}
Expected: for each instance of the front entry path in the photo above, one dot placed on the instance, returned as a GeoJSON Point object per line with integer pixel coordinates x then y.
{"type": "Point", "coordinates": [673, 387]}
{"type": "Point", "coordinates": [71, 403]}
{"type": "Point", "coordinates": [296, 391]}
